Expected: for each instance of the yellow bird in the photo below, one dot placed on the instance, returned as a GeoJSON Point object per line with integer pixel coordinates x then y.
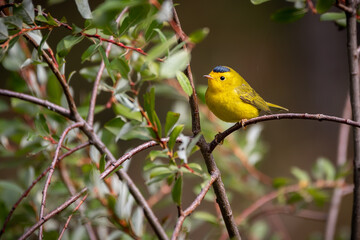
{"type": "Point", "coordinates": [232, 99]}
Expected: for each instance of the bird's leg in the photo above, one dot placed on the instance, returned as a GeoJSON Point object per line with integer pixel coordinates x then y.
{"type": "Point", "coordinates": [242, 123]}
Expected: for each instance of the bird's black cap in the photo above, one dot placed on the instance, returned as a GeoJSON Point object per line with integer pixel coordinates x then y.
{"type": "Point", "coordinates": [221, 69]}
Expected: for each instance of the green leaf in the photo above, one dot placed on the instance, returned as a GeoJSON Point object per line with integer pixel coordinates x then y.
{"type": "Point", "coordinates": [160, 49]}
{"type": "Point", "coordinates": [26, 11]}
{"type": "Point", "coordinates": [65, 45]}
{"type": "Point", "coordinates": [160, 171]}
{"type": "Point", "coordinates": [288, 14]}
{"type": "Point", "coordinates": [176, 191]}
{"type": "Point", "coordinates": [184, 83]}
{"type": "Point", "coordinates": [107, 63]}
{"type": "Point", "coordinates": [84, 8]}
{"type": "Point", "coordinates": [136, 14]}
{"type": "Point", "coordinates": [122, 66]}
{"type": "Point", "coordinates": [154, 154]}
{"type": "Point", "coordinates": [149, 104]}
{"type": "Point", "coordinates": [91, 50]}
{"type": "Point", "coordinates": [301, 175]}
{"type": "Point", "coordinates": [171, 119]}
{"type": "Point", "coordinates": [280, 182]}
{"type": "Point", "coordinates": [150, 30]}
{"type": "Point", "coordinates": [319, 196]}
{"type": "Point", "coordinates": [174, 63]}
{"type": "Point", "coordinates": [3, 106]}
{"type": "Point", "coordinates": [120, 109]}
{"type": "Point", "coordinates": [41, 125]}
{"type": "Point", "coordinates": [195, 166]}
{"type": "Point", "coordinates": [324, 170]}
{"type": "Point", "coordinates": [13, 21]}
{"type": "Point", "coordinates": [157, 123]}
{"type": "Point", "coordinates": [257, 2]}
{"type": "Point", "coordinates": [174, 134]}
{"type": "Point", "coordinates": [324, 5]}
{"type": "Point", "coordinates": [199, 35]}
{"type": "Point", "coordinates": [3, 30]}
{"type": "Point", "coordinates": [331, 16]}
{"type": "Point", "coordinates": [114, 125]}
{"type": "Point", "coordinates": [206, 216]}
{"type": "Point", "coordinates": [102, 163]}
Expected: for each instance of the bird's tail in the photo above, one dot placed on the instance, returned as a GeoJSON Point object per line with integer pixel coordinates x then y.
{"type": "Point", "coordinates": [271, 105]}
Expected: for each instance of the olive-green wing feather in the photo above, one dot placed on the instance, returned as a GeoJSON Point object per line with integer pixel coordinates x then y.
{"type": "Point", "coordinates": [248, 95]}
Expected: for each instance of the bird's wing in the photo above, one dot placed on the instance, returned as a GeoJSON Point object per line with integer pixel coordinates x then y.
{"type": "Point", "coordinates": [248, 95]}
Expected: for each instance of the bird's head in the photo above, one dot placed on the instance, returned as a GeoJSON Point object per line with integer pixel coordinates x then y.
{"type": "Point", "coordinates": [222, 78]}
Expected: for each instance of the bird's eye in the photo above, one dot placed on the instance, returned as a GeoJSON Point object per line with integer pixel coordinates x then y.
{"type": "Point", "coordinates": [222, 78]}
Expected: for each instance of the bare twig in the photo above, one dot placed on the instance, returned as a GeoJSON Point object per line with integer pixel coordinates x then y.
{"type": "Point", "coordinates": [51, 106]}
{"type": "Point", "coordinates": [51, 171]}
{"type": "Point", "coordinates": [69, 218]}
{"type": "Point", "coordinates": [35, 182]}
{"type": "Point", "coordinates": [51, 214]}
{"type": "Point", "coordinates": [319, 117]}
{"type": "Point", "coordinates": [353, 59]}
{"type": "Point", "coordinates": [285, 190]}
{"type": "Point", "coordinates": [90, 117]}
{"type": "Point", "coordinates": [343, 139]}
{"type": "Point", "coordinates": [193, 205]}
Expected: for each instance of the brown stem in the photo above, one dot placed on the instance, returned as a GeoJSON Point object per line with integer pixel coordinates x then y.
{"type": "Point", "coordinates": [319, 117]}
{"type": "Point", "coordinates": [353, 59]}
{"type": "Point", "coordinates": [193, 206]}
{"type": "Point", "coordinates": [51, 171]}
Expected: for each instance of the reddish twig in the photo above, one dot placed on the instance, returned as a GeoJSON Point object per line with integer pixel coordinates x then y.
{"type": "Point", "coordinates": [69, 218]}
{"type": "Point", "coordinates": [319, 117]}
{"type": "Point", "coordinates": [51, 171]}
{"type": "Point", "coordinates": [21, 32]}
{"type": "Point", "coordinates": [194, 205]}
{"type": "Point", "coordinates": [311, 6]}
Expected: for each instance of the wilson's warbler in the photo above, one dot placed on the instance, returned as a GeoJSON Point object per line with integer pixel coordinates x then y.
{"type": "Point", "coordinates": [232, 99]}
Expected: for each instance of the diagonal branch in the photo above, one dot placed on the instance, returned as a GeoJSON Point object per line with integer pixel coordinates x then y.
{"type": "Point", "coordinates": [319, 117]}
{"type": "Point", "coordinates": [51, 171]}
{"type": "Point", "coordinates": [193, 205]}
{"type": "Point", "coordinates": [27, 191]}
{"type": "Point", "coordinates": [49, 105]}
{"type": "Point", "coordinates": [52, 213]}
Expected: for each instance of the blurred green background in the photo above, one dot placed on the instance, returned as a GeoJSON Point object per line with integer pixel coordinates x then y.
{"type": "Point", "coordinates": [301, 66]}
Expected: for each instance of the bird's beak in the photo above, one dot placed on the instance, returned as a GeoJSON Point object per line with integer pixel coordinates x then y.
{"type": "Point", "coordinates": [208, 77]}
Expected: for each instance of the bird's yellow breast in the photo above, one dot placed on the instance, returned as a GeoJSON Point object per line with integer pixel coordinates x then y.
{"type": "Point", "coordinates": [228, 106]}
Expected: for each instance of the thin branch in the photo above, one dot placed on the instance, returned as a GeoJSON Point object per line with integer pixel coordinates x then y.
{"type": "Point", "coordinates": [94, 93]}
{"type": "Point", "coordinates": [61, 78]}
{"type": "Point", "coordinates": [319, 117]}
{"type": "Point", "coordinates": [27, 191]}
{"type": "Point", "coordinates": [69, 218]}
{"type": "Point", "coordinates": [291, 210]}
{"type": "Point", "coordinates": [218, 185]}
{"type": "Point", "coordinates": [193, 205]}
{"type": "Point", "coordinates": [52, 213]}
{"type": "Point", "coordinates": [285, 190]}
{"type": "Point", "coordinates": [343, 140]}
{"type": "Point", "coordinates": [353, 58]}
{"type": "Point", "coordinates": [51, 106]}
{"type": "Point", "coordinates": [70, 186]}
{"type": "Point", "coordinates": [139, 198]}
{"type": "Point", "coordinates": [51, 171]}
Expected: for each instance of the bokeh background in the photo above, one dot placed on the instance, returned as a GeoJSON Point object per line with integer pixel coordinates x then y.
{"type": "Point", "coordinates": [301, 66]}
